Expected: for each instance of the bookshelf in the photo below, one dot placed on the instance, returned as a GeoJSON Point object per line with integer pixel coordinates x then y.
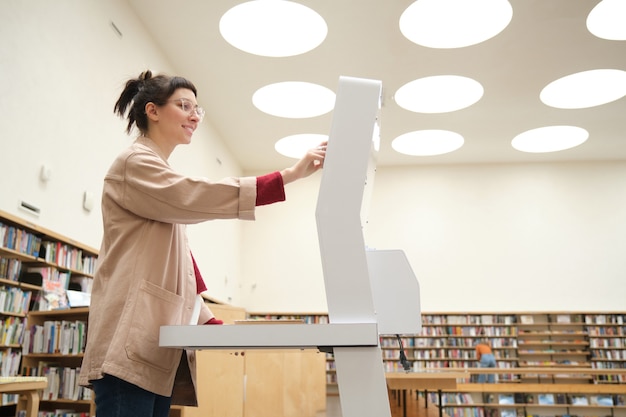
{"type": "Point", "coordinates": [553, 340]}
{"type": "Point", "coordinates": [607, 344]}
{"type": "Point", "coordinates": [520, 340]}
{"type": "Point", "coordinates": [507, 400]}
{"type": "Point", "coordinates": [449, 340]}
{"type": "Point", "coordinates": [41, 334]}
{"type": "Point", "coordinates": [54, 348]}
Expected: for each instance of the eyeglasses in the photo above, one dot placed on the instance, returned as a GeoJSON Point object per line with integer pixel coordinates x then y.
{"type": "Point", "coordinates": [188, 107]}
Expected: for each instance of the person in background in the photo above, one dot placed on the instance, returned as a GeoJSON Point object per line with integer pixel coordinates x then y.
{"type": "Point", "coordinates": [146, 275]}
{"type": "Point", "coordinates": [486, 359]}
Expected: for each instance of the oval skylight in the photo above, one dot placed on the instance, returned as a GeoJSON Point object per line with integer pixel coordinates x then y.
{"type": "Point", "coordinates": [427, 142]}
{"type": "Point", "coordinates": [607, 20]}
{"type": "Point", "coordinates": [294, 99]}
{"type": "Point", "coordinates": [585, 89]}
{"type": "Point", "coordinates": [454, 23]}
{"type": "Point", "coordinates": [550, 139]}
{"type": "Point", "coordinates": [273, 28]}
{"type": "Point", "coordinates": [439, 94]}
{"type": "Point", "coordinates": [295, 146]}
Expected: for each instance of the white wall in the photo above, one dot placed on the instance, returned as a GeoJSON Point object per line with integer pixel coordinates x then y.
{"type": "Point", "coordinates": [480, 238]}
{"type": "Point", "coordinates": [62, 67]}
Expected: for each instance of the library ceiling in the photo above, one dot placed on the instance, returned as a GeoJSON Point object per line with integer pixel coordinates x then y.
{"type": "Point", "coordinates": [540, 46]}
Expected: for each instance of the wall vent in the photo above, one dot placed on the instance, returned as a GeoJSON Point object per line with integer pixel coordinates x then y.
{"type": "Point", "coordinates": [29, 208]}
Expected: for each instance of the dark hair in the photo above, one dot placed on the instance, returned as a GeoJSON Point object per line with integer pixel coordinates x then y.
{"type": "Point", "coordinates": [145, 89]}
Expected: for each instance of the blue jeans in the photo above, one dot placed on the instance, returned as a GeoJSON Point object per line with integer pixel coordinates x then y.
{"type": "Point", "coordinates": [487, 360]}
{"type": "Point", "coordinates": [118, 398]}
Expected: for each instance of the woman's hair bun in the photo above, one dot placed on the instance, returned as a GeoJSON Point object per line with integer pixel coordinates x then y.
{"type": "Point", "coordinates": [145, 76]}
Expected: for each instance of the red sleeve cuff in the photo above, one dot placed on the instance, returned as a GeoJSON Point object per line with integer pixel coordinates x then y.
{"type": "Point", "coordinates": [270, 189]}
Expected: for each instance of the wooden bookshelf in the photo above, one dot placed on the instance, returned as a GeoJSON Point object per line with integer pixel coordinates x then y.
{"type": "Point", "coordinates": [27, 247]}
{"type": "Point", "coordinates": [607, 344]}
{"type": "Point", "coordinates": [554, 340]}
{"type": "Point", "coordinates": [449, 340]}
{"type": "Point", "coordinates": [520, 340]}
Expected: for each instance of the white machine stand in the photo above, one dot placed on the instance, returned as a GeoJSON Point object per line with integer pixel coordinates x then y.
{"type": "Point", "coordinates": [368, 292]}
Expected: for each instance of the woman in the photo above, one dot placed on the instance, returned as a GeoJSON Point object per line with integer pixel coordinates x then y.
{"type": "Point", "coordinates": [146, 275]}
{"type": "Point", "coordinates": [486, 359]}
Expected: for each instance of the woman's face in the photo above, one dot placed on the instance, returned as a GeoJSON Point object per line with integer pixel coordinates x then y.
{"type": "Point", "coordinates": [180, 116]}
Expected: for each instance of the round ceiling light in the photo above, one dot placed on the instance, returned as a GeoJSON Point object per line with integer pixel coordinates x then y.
{"type": "Point", "coordinates": [549, 139]}
{"type": "Point", "coordinates": [606, 20]}
{"type": "Point", "coordinates": [427, 142]}
{"type": "Point", "coordinates": [294, 99]}
{"type": "Point", "coordinates": [454, 23]}
{"type": "Point", "coordinates": [439, 94]}
{"type": "Point", "coordinates": [273, 28]}
{"type": "Point", "coordinates": [585, 89]}
{"type": "Point", "coordinates": [296, 146]}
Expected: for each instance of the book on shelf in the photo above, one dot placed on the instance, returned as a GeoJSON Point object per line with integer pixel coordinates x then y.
{"type": "Point", "coordinates": [563, 318]}
{"type": "Point", "coordinates": [545, 399]}
{"type": "Point", "coordinates": [604, 400]}
{"type": "Point", "coordinates": [506, 399]}
{"type": "Point", "coordinates": [508, 412]}
{"type": "Point", "coordinates": [579, 400]}
{"type": "Point", "coordinates": [526, 319]}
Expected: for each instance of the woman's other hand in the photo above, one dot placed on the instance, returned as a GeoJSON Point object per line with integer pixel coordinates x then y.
{"type": "Point", "coordinates": [311, 162]}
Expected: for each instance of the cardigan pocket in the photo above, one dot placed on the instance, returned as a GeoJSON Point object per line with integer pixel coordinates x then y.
{"type": "Point", "coordinates": [155, 307]}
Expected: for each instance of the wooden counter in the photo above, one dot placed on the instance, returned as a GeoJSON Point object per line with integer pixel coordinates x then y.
{"type": "Point", "coordinates": [28, 388]}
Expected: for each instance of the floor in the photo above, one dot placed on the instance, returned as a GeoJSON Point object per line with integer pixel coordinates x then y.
{"type": "Point", "coordinates": [415, 407]}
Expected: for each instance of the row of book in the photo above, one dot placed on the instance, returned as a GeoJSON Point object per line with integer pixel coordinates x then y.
{"type": "Point", "coordinates": [610, 379]}
{"type": "Point", "coordinates": [547, 318]}
{"type": "Point", "coordinates": [476, 331]}
{"type": "Point", "coordinates": [617, 342]}
{"type": "Point", "coordinates": [54, 336]}
{"type": "Point", "coordinates": [306, 318]}
{"type": "Point", "coordinates": [14, 300]}
{"type": "Point", "coordinates": [564, 362]}
{"type": "Point", "coordinates": [553, 352]}
{"type": "Point", "coordinates": [62, 382]}
{"type": "Point", "coordinates": [555, 399]}
{"type": "Point", "coordinates": [68, 257]}
{"type": "Point", "coordinates": [19, 240]}
{"type": "Point", "coordinates": [607, 331]}
{"type": "Point", "coordinates": [10, 268]}
{"type": "Point", "coordinates": [437, 364]}
{"type": "Point", "coordinates": [462, 342]}
{"type": "Point", "coordinates": [468, 319]}
{"type": "Point", "coordinates": [458, 354]}
{"type": "Point", "coordinates": [465, 412]}
{"type": "Point", "coordinates": [451, 398]}
{"type": "Point", "coordinates": [605, 318]}
{"type": "Point", "coordinates": [12, 330]}
{"type": "Point", "coordinates": [609, 354]}
{"type": "Point", "coordinates": [59, 253]}
{"type": "Point", "coordinates": [607, 365]}
{"type": "Point", "coordinates": [8, 398]}
{"type": "Point", "coordinates": [553, 342]}
{"type": "Point", "coordinates": [59, 412]}
{"type": "Point", "coordinates": [10, 362]}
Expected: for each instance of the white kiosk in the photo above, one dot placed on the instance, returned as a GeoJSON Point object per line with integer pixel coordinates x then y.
{"type": "Point", "coordinates": [368, 292]}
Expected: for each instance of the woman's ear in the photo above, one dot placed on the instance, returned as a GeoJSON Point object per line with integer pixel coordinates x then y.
{"type": "Point", "coordinates": [152, 111]}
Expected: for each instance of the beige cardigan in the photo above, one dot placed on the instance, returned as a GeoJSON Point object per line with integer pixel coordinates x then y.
{"type": "Point", "coordinates": [145, 277]}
